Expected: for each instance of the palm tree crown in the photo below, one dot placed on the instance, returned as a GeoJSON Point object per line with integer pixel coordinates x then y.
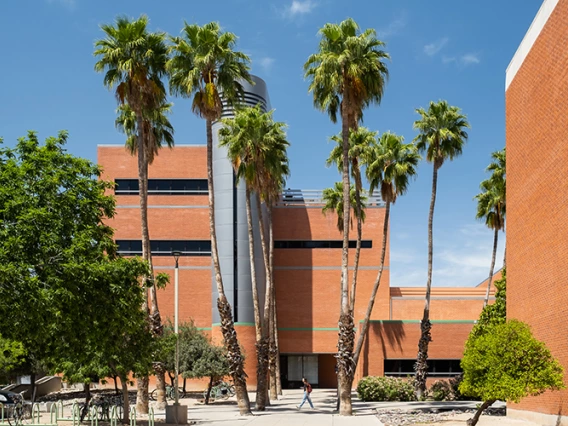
{"type": "Point", "coordinates": [360, 141]}
{"type": "Point", "coordinates": [390, 166]}
{"type": "Point", "coordinates": [204, 63]}
{"type": "Point", "coordinates": [134, 60]}
{"type": "Point", "coordinates": [348, 71]}
{"type": "Point", "coordinates": [157, 129]}
{"type": "Point", "coordinates": [442, 132]}
{"type": "Point", "coordinates": [333, 199]}
{"type": "Point", "coordinates": [257, 148]}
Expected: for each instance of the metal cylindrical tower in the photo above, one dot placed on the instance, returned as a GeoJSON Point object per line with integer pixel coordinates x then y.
{"type": "Point", "coordinates": [231, 222]}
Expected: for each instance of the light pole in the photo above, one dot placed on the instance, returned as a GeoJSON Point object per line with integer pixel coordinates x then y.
{"type": "Point", "coordinates": [176, 414]}
{"type": "Point", "coordinates": [176, 255]}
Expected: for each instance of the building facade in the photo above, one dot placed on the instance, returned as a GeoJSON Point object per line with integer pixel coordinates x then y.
{"type": "Point", "coordinates": [307, 267]}
{"type": "Point", "coordinates": [537, 169]}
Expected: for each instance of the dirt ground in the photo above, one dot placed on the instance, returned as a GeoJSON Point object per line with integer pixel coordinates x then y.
{"type": "Point", "coordinates": [461, 419]}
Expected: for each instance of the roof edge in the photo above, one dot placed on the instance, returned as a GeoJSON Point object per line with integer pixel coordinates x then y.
{"type": "Point", "coordinates": [529, 39]}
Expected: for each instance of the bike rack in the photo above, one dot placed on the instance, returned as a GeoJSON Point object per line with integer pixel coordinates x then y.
{"type": "Point", "coordinates": [1, 413]}
{"type": "Point", "coordinates": [151, 416]}
{"type": "Point", "coordinates": [132, 416]}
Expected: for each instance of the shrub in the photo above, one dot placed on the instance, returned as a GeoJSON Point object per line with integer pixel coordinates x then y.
{"type": "Point", "coordinates": [385, 389]}
{"type": "Point", "coordinates": [441, 391]}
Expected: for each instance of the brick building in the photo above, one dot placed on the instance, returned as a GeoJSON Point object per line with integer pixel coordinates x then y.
{"type": "Point", "coordinates": [307, 264]}
{"type": "Point", "coordinates": [537, 187]}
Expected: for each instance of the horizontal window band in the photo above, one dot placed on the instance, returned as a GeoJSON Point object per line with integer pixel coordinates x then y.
{"type": "Point", "coordinates": [130, 186]}
{"type": "Point", "coordinates": [242, 324]}
{"type": "Point", "coordinates": [166, 247]}
{"type": "Point", "coordinates": [189, 268]}
{"type": "Point", "coordinates": [134, 206]}
{"type": "Point", "coordinates": [308, 329]}
{"type": "Point", "coordinates": [442, 297]}
{"type": "Point", "coordinates": [326, 268]}
{"type": "Point", "coordinates": [419, 321]}
{"type": "Point", "coordinates": [319, 244]}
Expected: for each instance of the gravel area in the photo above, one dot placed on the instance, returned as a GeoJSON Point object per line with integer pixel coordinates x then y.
{"type": "Point", "coordinates": [424, 417]}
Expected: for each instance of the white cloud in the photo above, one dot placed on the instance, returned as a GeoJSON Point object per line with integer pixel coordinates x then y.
{"type": "Point", "coordinates": [266, 63]}
{"type": "Point", "coordinates": [448, 59]}
{"type": "Point", "coordinates": [67, 3]}
{"type": "Point", "coordinates": [298, 8]}
{"type": "Point", "coordinates": [433, 48]}
{"type": "Point", "coordinates": [393, 28]}
{"type": "Point", "coordinates": [461, 258]}
{"type": "Point", "coordinates": [470, 58]}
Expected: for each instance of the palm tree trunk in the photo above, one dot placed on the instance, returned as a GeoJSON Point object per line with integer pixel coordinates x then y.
{"type": "Point", "coordinates": [273, 355]}
{"type": "Point", "coordinates": [473, 421]}
{"type": "Point", "coordinates": [126, 402]}
{"type": "Point", "coordinates": [236, 360]}
{"type": "Point", "coordinates": [274, 311]}
{"type": "Point", "coordinates": [263, 348]}
{"type": "Point", "coordinates": [361, 339]}
{"type": "Point", "coordinates": [257, 323]}
{"type": "Point", "coordinates": [425, 325]}
{"type": "Point", "coordinates": [142, 382]}
{"type": "Point", "coordinates": [495, 239]}
{"type": "Point", "coordinates": [346, 336]}
{"type": "Point", "coordinates": [358, 187]}
{"type": "Point", "coordinates": [255, 299]}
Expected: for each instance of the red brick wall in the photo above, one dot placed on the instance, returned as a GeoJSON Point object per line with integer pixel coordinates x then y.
{"type": "Point", "coordinates": [537, 188]}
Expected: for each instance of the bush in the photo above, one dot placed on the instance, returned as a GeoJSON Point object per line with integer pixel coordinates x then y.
{"type": "Point", "coordinates": [385, 389]}
{"type": "Point", "coordinates": [441, 391]}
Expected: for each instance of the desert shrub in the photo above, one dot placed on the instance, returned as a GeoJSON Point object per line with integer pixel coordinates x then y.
{"type": "Point", "coordinates": [385, 389]}
{"type": "Point", "coordinates": [441, 391]}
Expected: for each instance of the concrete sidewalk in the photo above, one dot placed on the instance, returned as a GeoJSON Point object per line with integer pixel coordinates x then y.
{"type": "Point", "coordinates": [282, 412]}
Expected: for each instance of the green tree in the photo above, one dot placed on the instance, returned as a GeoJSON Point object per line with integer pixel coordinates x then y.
{"type": "Point", "coordinates": [346, 74]}
{"type": "Point", "coordinates": [12, 355]}
{"type": "Point", "coordinates": [134, 62]}
{"type": "Point", "coordinates": [65, 296]}
{"type": "Point", "coordinates": [203, 65]}
{"type": "Point", "coordinates": [491, 206]}
{"type": "Point", "coordinates": [256, 146]}
{"type": "Point", "coordinates": [391, 164]}
{"type": "Point", "coordinates": [496, 313]}
{"type": "Point", "coordinates": [359, 142]}
{"type": "Point", "coordinates": [507, 363]}
{"type": "Point", "coordinates": [442, 136]}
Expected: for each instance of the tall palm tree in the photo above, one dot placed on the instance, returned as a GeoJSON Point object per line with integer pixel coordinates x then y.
{"type": "Point", "coordinates": [491, 206]}
{"type": "Point", "coordinates": [442, 136]}
{"type": "Point", "coordinates": [157, 131]}
{"type": "Point", "coordinates": [346, 74]}
{"type": "Point", "coordinates": [390, 165]}
{"type": "Point", "coordinates": [134, 61]}
{"type": "Point", "coordinates": [204, 64]}
{"type": "Point", "coordinates": [333, 202]}
{"type": "Point", "coordinates": [359, 142]}
{"type": "Point", "coordinates": [256, 145]}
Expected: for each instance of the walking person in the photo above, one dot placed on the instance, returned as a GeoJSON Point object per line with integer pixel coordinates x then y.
{"type": "Point", "coordinates": [307, 392]}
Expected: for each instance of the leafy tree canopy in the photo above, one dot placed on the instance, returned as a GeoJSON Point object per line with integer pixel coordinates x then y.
{"type": "Point", "coordinates": [496, 313]}
{"type": "Point", "coordinates": [507, 363]}
{"type": "Point", "coordinates": [64, 293]}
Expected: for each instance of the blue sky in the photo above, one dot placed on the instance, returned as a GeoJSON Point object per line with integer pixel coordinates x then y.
{"type": "Point", "coordinates": [443, 49]}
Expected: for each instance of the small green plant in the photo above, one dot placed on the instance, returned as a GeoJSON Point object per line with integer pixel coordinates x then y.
{"type": "Point", "coordinates": [373, 388]}
{"type": "Point", "coordinates": [441, 391]}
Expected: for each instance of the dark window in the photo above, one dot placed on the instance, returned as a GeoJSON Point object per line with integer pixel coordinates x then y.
{"type": "Point", "coordinates": [436, 367]}
{"type": "Point", "coordinates": [163, 186]}
{"type": "Point", "coordinates": [165, 247]}
{"type": "Point", "coordinates": [319, 244]}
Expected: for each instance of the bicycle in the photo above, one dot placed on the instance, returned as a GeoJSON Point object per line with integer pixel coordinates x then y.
{"type": "Point", "coordinates": [222, 390]}
{"type": "Point", "coordinates": [99, 407]}
{"type": "Point", "coordinates": [19, 412]}
{"type": "Point", "coordinates": [170, 393]}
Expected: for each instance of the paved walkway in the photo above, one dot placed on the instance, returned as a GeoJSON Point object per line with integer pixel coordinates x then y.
{"type": "Point", "coordinates": [283, 412]}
